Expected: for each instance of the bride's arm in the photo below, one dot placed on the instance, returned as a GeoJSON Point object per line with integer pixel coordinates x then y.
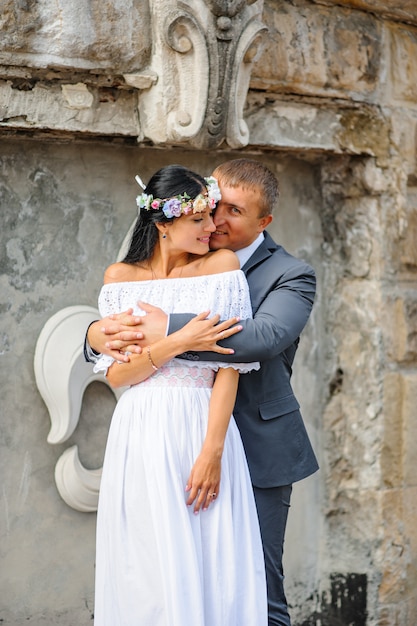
{"type": "Point", "coordinates": [204, 477]}
{"type": "Point", "coordinates": [143, 365]}
{"type": "Point", "coordinates": [152, 357]}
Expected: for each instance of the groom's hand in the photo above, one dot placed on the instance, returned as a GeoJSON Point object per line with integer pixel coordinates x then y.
{"type": "Point", "coordinates": [202, 333]}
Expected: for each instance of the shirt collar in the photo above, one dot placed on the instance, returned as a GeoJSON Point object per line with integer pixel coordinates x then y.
{"type": "Point", "coordinates": [245, 253]}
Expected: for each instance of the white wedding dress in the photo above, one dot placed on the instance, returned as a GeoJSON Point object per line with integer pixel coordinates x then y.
{"type": "Point", "coordinates": [158, 563]}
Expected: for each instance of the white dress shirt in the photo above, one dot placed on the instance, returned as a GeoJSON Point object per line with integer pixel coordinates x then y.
{"type": "Point", "coordinates": [245, 253]}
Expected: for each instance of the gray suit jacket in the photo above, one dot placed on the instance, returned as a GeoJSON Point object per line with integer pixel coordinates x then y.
{"type": "Point", "coordinates": [267, 413]}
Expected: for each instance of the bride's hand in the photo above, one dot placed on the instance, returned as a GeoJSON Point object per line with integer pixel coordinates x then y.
{"type": "Point", "coordinates": [203, 483]}
{"type": "Point", "coordinates": [201, 334]}
{"type": "Point", "coordinates": [115, 334]}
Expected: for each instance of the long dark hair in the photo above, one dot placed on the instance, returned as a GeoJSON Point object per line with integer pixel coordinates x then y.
{"type": "Point", "coordinates": [167, 182]}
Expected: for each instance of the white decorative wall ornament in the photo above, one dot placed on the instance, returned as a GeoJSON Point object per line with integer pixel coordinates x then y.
{"type": "Point", "coordinates": [62, 375]}
{"type": "Point", "coordinates": [203, 53]}
{"type": "Point", "coordinates": [77, 486]}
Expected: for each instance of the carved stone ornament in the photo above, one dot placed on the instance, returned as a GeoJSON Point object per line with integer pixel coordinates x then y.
{"type": "Point", "coordinates": [202, 54]}
{"type": "Point", "coordinates": [62, 375]}
{"type": "Point", "coordinates": [77, 96]}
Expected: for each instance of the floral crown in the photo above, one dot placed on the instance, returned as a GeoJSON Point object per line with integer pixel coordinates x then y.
{"type": "Point", "coordinates": [182, 204]}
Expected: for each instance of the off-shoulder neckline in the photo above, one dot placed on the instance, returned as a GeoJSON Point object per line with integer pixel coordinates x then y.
{"type": "Point", "coordinates": [175, 278]}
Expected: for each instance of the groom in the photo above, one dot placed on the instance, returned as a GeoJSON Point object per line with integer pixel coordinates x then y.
{"type": "Point", "coordinates": [267, 413]}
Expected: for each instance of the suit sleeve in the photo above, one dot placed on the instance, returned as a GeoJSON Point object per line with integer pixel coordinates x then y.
{"type": "Point", "coordinates": [277, 322]}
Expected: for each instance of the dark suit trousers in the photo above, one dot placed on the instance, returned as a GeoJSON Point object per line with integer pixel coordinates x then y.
{"type": "Point", "coordinates": [273, 505]}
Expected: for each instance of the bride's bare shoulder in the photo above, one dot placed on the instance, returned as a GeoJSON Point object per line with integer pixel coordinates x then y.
{"type": "Point", "coordinates": [120, 272]}
{"type": "Point", "coordinates": [220, 261]}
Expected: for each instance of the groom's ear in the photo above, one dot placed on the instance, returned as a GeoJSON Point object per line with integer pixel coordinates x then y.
{"type": "Point", "coordinates": [264, 222]}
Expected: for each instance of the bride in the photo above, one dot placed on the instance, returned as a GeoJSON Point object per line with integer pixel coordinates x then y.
{"type": "Point", "coordinates": [178, 541]}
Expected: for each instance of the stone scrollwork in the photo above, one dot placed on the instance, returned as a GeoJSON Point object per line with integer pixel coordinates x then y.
{"type": "Point", "coordinates": [62, 375]}
{"type": "Point", "coordinates": [202, 54]}
{"type": "Point", "coordinates": [186, 38]}
{"type": "Point", "coordinates": [173, 109]}
{"type": "Point", "coordinates": [237, 134]}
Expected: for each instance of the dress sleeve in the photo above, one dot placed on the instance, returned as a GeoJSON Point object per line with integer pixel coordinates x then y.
{"type": "Point", "coordinates": [242, 368]}
{"type": "Point", "coordinates": [227, 294]}
{"type": "Point", "coordinates": [237, 301]}
{"type": "Point", "coordinates": [238, 304]}
{"type": "Point", "coordinates": [103, 364]}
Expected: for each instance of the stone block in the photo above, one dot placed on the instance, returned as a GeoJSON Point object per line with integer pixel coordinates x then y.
{"type": "Point", "coordinates": [72, 108]}
{"type": "Point", "coordinates": [317, 49]}
{"type": "Point", "coordinates": [410, 532]}
{"type": "Point", "coordinates": [294, 51]}
{"type": "Point", "coordinates": [375, 180]}
{"type": "Point", "coordinates": [354, 529]}
{"type": "Point", "coordinates": [404, 137]}
{"type": "Point", "coordinates": [77, 34]}
{"type": "Point", "coordinates": [399, 314]}
{"type": "Point", "coordinates": [393, 553]}
{"type": "Point", "coordinates": [354, 47]}
{"type": "Point", "coordinates": [400, 10]}
{"type": "Point", "coordinates": [397, 591]}
{"type": "Point", "coordinates": [403, 69]}
{"type": "Point", "coordinates": [410, 431]}
{"type": "Point", "coordinates": [393, 615]}
{"type": "Point", "coordinates": [292, 125]}
{"type": "Point", "coordinates": [353, 442]}
{"type": "Point", "coordinates": [358, 228]}
{"type": "Point", "coordinates": [392, 444]}
{"type": "Point", "coordinates": [365, 131]}
{"type": "Point", "coordinates": [299, 125]}
{"type": "Point", "coordinates": [408, 241]}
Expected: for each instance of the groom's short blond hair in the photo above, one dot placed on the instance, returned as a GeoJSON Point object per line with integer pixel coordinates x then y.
{"type": "Point", "coordinates": [250, 174]}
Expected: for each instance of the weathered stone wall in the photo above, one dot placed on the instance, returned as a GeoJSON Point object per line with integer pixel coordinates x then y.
{"type": "Point", "coordinates": [341, 81]}
{"type": "Point", "coordinates": [332, 108]}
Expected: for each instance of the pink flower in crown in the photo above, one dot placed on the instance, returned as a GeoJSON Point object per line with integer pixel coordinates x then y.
{"type": "Point", "coordinates": [155, 204]}
{"type": "Point", "coordinates": [187, 209]}
{"type": "Point", "coordinates": [212, 203]}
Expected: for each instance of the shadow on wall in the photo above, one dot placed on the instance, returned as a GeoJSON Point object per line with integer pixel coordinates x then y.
{"type": "Point", "coordinates": [344, 604]}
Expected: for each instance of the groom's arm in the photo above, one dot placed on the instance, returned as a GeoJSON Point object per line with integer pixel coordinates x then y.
{"type": "Point", "coordinates": [276, 324]}
{"type": "Point", "coordinates": [118, 335]}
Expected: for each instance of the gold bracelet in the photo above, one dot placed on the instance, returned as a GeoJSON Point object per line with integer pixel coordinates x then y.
{"type": "Point", "coordinates": [148, 350]}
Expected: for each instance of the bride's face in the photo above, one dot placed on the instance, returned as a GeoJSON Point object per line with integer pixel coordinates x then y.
{"type": "Point", "coordinates": [191, 233]}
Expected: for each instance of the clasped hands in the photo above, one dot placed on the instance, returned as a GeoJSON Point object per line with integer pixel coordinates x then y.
{"type": "Point", "coordinates": [118, 335]}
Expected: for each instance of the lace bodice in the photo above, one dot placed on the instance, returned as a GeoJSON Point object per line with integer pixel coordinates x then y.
{"type": "Point", "coordinates": [226, 293]}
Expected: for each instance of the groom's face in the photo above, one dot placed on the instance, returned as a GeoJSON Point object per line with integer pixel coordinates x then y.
{"type": "Point", "coordinates": [237, 218]}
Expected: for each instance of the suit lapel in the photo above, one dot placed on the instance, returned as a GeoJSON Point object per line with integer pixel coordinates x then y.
{"type": "Point", "coordinates": [261, 253]}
